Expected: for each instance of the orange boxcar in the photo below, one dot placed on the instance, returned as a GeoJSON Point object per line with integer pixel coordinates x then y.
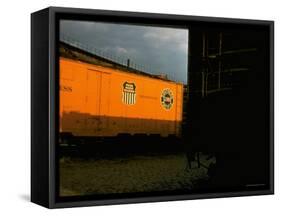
{"type": "Point", "coordinates": [100, 101]}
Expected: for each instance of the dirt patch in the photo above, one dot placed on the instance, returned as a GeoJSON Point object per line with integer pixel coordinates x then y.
{"type": "Point", "coordinates": [127, 175]}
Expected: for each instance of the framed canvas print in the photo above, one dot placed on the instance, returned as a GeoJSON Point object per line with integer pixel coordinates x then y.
{"type": "Point", "coordinates": [140, 107]}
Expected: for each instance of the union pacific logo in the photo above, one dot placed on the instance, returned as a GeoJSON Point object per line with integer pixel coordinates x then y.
{"type": "Point", "coordinates": [129, 93]}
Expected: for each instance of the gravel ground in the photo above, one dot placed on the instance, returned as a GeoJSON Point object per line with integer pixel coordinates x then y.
{"type": "Point", "coordinates": [127, 175]}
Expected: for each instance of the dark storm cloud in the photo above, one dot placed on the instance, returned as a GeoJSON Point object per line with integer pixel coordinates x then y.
{"type": "Point", "coordinates": [162, 50]}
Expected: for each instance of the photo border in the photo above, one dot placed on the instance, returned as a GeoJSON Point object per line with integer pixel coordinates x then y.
{"type": "Point", "coordinates": [55, 14]}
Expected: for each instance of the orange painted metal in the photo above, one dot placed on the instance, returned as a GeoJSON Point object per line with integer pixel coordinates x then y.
{"type": "Point", "coordinates": [103, 101]}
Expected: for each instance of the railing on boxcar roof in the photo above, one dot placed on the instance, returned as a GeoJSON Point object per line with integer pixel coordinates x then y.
{"type": "Point", "coordinates": [121, 60]}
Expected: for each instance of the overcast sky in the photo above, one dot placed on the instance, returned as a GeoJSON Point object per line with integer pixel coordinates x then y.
{"type": "Point", "coordinates": [162, 50]}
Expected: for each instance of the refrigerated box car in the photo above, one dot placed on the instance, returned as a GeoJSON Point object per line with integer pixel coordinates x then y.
{"type": "Point", "coordinates": [99, 101]}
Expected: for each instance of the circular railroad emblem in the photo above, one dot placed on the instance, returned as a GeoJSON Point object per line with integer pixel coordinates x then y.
{"type": "Point", "coordinates": [167, 99]}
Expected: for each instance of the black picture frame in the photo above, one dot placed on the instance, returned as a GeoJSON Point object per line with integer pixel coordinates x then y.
{"type": "Point", "coordinates": [44, 100]}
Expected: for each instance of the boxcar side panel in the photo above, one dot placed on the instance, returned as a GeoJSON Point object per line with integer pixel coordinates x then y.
{"type": "Point", "coordinates": [102, 101]}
